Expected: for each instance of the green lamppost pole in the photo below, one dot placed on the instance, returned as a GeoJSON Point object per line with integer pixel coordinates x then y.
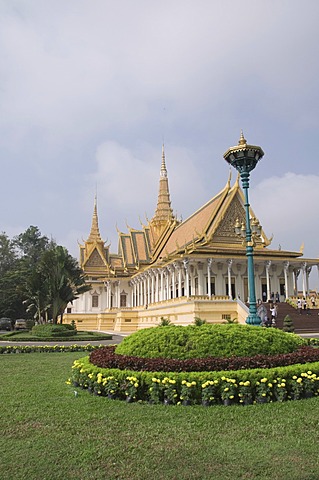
{"type": "Point", "coordinates": [244, 158]}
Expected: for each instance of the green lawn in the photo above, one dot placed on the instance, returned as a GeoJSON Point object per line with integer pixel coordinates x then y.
{"type": "Point", "coordinates": [48, 433]}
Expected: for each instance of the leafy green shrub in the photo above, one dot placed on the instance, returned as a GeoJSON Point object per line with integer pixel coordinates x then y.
{"type": "Point", "coordinates": [49, 330]}
{"type": "Point", "coordinates": [30, 324]}
{"type": "Point", "coordinates": [208, 341]}
{"type": "Point", "coordinates": [288, 325]}
{"type": "Point", "coordinates": [199, 321]}
{"type": "Point", "coordinates": [164, 322]}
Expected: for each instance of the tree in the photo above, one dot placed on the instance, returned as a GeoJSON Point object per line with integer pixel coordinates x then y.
{"type": "Point", "coordinates": [31, 244]}
{"type": "Point", "coordinates": [19, 258]}
{"type": "Point", "coordinates": [8, 256]}
{"type": "Point", "coordinates": [62, 279]}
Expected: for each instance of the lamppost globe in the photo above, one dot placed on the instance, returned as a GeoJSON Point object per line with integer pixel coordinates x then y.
{"type": "Point", "coordinates": [244, 158]}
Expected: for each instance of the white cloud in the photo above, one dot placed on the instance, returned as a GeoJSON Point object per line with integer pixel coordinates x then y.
{"type": "Point", "coordinates": [287, 206]}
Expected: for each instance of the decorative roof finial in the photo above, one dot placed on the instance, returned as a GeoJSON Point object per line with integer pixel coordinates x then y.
{"type": "Point", "coordinates": [95, 232]}
{"type": "Point", "coordinates": [163, 211]}
{"type": "Point", "coordinates": [163, 166]}
{"type": "Point", "coordinates": [242, 140]}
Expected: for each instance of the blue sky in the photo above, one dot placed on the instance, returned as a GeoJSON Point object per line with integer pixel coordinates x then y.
{"type": "Point", "coordinates": [89, 91]}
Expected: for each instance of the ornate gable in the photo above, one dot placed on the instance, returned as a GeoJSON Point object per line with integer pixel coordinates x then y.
{"type": "Point", "coordinates": [225, 232]}
{"type": "Point", "coordinates": [95, 260]}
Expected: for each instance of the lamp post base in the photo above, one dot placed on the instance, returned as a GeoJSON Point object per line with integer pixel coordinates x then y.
{"type": "Point", "coordinates": [253, 319]}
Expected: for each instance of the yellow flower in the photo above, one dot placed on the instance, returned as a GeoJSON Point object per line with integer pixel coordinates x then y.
{"type": "Point", "coordinates": [264, 380]}
{"type": "Point", "coordinates": [299, 380]}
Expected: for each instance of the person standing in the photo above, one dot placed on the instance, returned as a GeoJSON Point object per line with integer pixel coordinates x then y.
{"type": "Point", "coordinates": [273, 312]}
{"type": "Point", "coordinates": [304, 303]}
{"type": "Point", "coordinates": [299, 306]}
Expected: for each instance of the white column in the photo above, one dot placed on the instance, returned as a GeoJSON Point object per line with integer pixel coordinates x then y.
{"type": "Point", "coordinates": [209, 266]}
{"type": "Point", "coordinates": [109, 293]}
{"type": "Point", "coordinates": [286, 267]}
{"type": "Point", "coordinates": [152, 287]}
{"type": "Point", "coordinates": [118, 294]}
{"type": "Point", "coordinates": [304, 287]}
{"type": "Point", "coordinates": [162, 285]}
{"type": "Point", "coordinates": [268, 263]}
{"type": "Point", "coordinates": [157, 287]}
{"type": "Point", "coordinates": [148, 292]}
{"type": "Point", "coordinates": [308, 271]}
{"type": "Point", "coordinates": [167, 284]}
{"type": "Point", "coordinates": [186, 281]}
{"type": "Point", "coordinates": [201, 290]}
{"type": "Point", "coordinates": [179, 279]}
{"type": "Point", "coordinates": [138, 292]}
{"type": "Point", "coordinates": [296, 273]}
{"type": "Point", "coordinates": [229, 263]}
{"type": "Point", "coordinates": [173, 280]}
{"type": "Point", "coordinates": [131, 284]}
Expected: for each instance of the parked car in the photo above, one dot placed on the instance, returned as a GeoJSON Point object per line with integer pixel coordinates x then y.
{"type": "Point", "coordinates": [5, 324]}
{"type": "Point", "coordinates": [20, 324]}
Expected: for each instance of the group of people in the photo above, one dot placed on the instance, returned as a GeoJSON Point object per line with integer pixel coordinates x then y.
{"type": "Point", "coordinates": [274, 297]}
{"type": "Point", "coordinates": [268, 319]}
{"type": "Point", "coordinates": [303, 305]}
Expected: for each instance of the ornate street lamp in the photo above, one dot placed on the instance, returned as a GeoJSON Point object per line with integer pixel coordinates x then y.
{"type": "Point", "coordinates": [244, 158]}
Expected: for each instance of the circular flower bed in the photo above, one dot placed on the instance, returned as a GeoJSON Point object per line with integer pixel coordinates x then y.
{"type": "Point", "coordinates": [243, 380]}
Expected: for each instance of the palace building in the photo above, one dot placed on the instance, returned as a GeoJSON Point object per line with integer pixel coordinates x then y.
{"type": "Point", "coordinates": [182, 270]}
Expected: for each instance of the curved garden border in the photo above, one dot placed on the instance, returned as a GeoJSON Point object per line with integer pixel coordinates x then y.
{"type": "Point", "coordinates": [12, 349]}
{"type": "Point", "coordinates": [258, 385]}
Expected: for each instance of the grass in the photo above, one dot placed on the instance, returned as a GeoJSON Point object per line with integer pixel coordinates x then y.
{"type": "Point", "coordinates": [26, 336]}
{"type": "Point", "coordinates": [48, 433]}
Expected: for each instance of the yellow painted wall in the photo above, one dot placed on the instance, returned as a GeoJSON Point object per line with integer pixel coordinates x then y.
{"type": "Point", "coordinates": [181, 311]}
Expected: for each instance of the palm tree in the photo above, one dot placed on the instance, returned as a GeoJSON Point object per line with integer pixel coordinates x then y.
{"type": "Point", "coordinates": [57, 280]}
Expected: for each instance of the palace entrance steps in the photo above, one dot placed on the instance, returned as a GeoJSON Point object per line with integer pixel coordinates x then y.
{"type": "Point", "coordinates": [307, 322]}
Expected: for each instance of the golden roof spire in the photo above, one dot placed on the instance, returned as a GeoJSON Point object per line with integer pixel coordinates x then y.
{"type": "Point", "coordinates": [163, 216]}
{"type": "Point", "coordinates": [242, 140]}
{"type": "Point", "coordinates": [163, 166]}
{"type": "Point", "coordinates": [164, 210]}
{"type": "Point", "coordinates": [95, 232]}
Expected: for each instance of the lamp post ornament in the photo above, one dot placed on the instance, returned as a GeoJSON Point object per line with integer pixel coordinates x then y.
{"type": "Point", "coordinates": [244, 158]}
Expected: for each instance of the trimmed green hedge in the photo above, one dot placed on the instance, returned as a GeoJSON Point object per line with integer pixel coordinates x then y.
{"type": "Point", "coordinates": [208, 341]}
{"type": "Point", "coordinates": [48, 330]}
